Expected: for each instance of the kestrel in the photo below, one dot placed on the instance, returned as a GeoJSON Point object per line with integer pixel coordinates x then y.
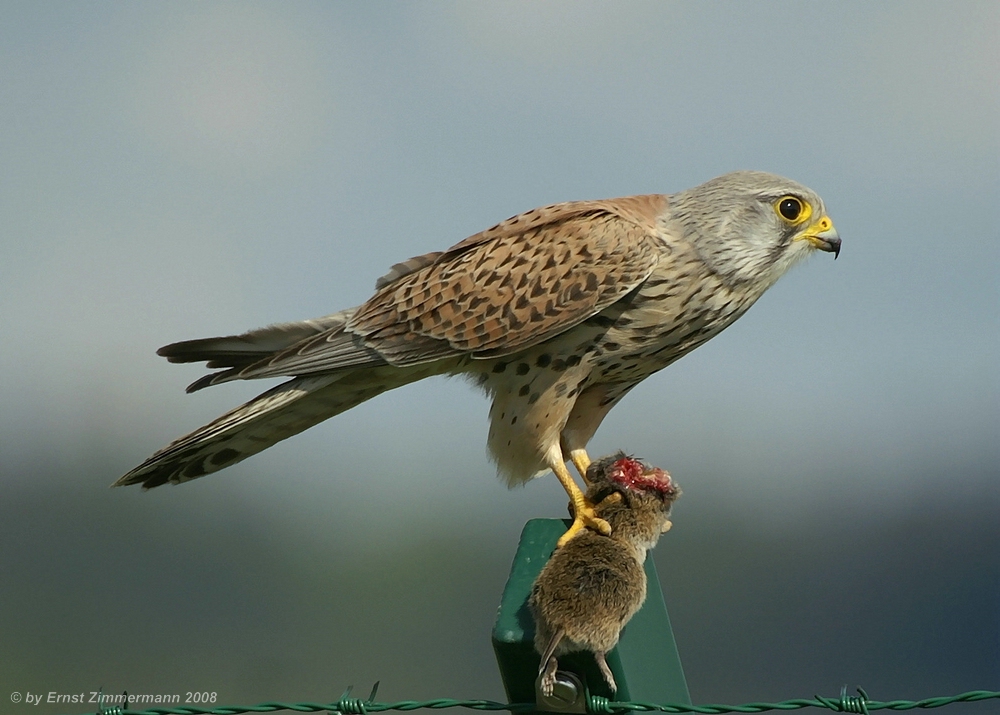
{"type": "Point", "coordinates": [556, 313]}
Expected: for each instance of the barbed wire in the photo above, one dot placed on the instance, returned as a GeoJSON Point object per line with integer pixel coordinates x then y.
{"type": "Point", "coordinates": [596, 705]}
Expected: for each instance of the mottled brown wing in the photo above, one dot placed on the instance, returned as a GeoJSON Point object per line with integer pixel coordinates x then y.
{"type": "Point", "coordinates": [406, 267]}
{"type": "Point", "coordinates": [516, 284]}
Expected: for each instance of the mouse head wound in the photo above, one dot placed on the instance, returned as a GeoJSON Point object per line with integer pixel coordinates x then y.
{"type": "Point", "coordinates": [620, 476]}
{"type": "Point", "coordinates": [630, 473]}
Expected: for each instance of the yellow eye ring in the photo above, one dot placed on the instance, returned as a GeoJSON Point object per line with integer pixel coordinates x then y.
{"type": "Point", "coordinates": [792, 209]}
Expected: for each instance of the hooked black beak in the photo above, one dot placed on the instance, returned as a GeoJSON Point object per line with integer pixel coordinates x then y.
{"type": "Point", "coordinates": [830, 244]}
{"type": "Point", "coordinates": [824, 236]}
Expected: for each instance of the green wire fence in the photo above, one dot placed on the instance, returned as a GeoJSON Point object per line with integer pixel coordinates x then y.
{"type": "Point", "coordinates": [595, 705]}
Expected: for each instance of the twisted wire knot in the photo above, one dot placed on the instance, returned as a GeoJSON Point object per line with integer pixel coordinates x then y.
{"type": "Point", "coordinates": [355, 706]}
{"type": "Point", "coordinates": [848, 703]}
{"type": "Point", "coordinates": [352, 706]}
{"type": "Point", "coordinates": [599, 704]}
{"type": "Point", "coordinates": [112, 709]}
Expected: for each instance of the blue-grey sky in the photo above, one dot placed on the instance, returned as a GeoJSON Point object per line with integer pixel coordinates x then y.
{"type": "Point", "coordinates": [181, 170]}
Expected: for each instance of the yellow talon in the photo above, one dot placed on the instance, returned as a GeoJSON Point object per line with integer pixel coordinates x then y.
{"type": "Point", "coordinates": [612, 498]}
{"type": "Point", "coordinates": [584, 512]}
{"type": "Point", "coordinates": [584, 516]}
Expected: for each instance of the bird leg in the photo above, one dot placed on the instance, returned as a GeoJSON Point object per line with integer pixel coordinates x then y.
{"type": "Point", "coordinates": [581, 460]}
{"type": "Point", "coordinates": [584, 513]}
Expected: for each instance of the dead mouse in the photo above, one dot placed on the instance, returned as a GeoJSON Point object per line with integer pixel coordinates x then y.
{"type": "Point", "coordinates": [594, 584]}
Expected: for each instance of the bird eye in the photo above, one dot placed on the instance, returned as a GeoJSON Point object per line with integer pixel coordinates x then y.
{"type": "Point", "coordinates": [790, 208]}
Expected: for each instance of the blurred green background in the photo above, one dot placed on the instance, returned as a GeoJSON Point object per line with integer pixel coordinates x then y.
{"type": "Point", "coordinates": [180, 170]}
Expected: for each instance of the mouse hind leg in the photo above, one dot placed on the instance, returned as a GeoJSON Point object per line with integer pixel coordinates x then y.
{"type": "Point", "coordinates": [605, 671]}
{"type": "Point", "coordinates": [548, 672]}
{"type": "Point", "coordinates": [548, 665]}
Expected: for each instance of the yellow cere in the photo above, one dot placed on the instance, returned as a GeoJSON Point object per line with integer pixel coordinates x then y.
{"type": "Point", "coordinates": [824, 224]}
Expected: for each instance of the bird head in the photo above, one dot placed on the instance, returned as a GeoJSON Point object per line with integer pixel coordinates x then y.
{"type": "Point", "coordinates": [751, 226]}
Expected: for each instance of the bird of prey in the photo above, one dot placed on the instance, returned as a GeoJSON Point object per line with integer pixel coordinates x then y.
{"type": "Point", "coordinates": [556, 313]}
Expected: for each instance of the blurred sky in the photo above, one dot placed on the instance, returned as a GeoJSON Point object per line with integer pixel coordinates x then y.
{"type": "Point", "coordinates": [181, 170]}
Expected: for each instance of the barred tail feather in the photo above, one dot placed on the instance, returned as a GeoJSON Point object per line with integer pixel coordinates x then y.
{"type": "Point", "coordinates": [277, 414]}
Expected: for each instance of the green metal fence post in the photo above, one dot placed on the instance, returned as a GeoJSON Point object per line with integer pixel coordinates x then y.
{"type": "Point", "coordinates": [645, 663]}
